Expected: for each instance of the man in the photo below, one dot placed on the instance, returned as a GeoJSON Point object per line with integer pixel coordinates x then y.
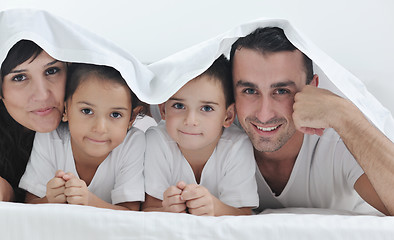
{"type": "Point", "coordinates": [308, 143]}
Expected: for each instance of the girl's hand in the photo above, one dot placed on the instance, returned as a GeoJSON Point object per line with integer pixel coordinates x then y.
{"type": "Point", "coordinates": [198, 200]}
{"type": "Point", "coordinates": [76, 191]}
{"type": "Point", "coordinates": [55, 188]}
{"type": "Point", "coordinates": [172, 201]}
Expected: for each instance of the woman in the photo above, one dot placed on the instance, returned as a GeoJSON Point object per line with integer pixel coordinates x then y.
{"type": "Point", "coordinates": [32, 95]}
{"type": "Point", "coordinates": [33, 77]}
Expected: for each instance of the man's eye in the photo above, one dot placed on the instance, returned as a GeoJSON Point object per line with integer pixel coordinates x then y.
{"type": "Point", "coordinates": [282, 91]}
{"type": "Point", "coordinates": [19, 78]}
{"type": "Point", "coordinates": [250, 91]}
{"type": "Point", "coordinates": [116, 115]}
{"type": "Point", "coordinates": [178, 106]}
{"type": "Point", "coordinates": [51, 71]}
{"type": "Point", "coordinates": [207, 108]}
{"type": "Point", "coordinates": [87, 111]}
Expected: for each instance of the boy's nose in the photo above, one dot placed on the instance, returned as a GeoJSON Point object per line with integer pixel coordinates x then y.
{"type": "Point", "coordinates": [191, 119]}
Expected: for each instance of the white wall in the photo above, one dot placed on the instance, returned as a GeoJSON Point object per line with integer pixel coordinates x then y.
{"type": "Point", "coordinates": [359, 34]}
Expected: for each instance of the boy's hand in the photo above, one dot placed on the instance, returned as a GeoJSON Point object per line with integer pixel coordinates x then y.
{"type": "Point", "coordinates": [55, 188]}
{"type": "Point", "coordinates": [172, 201]}
{"type": "Point", "coordinates": [76, 191]}
{"type": "Point", "coordinates": [198, 200]}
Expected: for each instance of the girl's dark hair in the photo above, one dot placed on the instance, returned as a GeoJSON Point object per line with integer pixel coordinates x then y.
{"type": "Point", "coordinates": [16, 141]}
{"type": "Point", "coordinates": [18, 54]}
{"type": "Point", "coordinates": [78, 72]}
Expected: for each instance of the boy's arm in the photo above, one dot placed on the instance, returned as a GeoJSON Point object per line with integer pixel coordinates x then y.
{"type": "Point", "coordinates": [201, 202]}
{"type": "Point", "coordinates": [172, 202]}
{"type": "Point", "coordinates": [6, 191]}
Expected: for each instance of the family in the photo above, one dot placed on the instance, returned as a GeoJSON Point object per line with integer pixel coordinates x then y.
{"type": "Point", "coordinates": [247, 132]}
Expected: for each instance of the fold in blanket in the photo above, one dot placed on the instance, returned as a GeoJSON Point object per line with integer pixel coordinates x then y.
{"type": "Point", "coordinates": [68, 42]}
{"type": "Point", "coordinates": [173, 72]}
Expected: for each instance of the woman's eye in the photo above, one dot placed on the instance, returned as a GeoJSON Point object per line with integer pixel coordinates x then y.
{"type": "Point", "coordinates": [51, 71]}
{"type": "Point", "coordinates": [19, 78]}
{"type": "Point", "coordinates": [116, 115]}
{"type": "Point", "coordinates": [207, 108]}
{"type": "Point", "coordinates": [178, 106]}
{"type": "Point", "coordinates": [87, 111]}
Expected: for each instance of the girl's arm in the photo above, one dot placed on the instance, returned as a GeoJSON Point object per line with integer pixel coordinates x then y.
{"type": "Point", "coordinates": [6, 191]}
{"type": "Point", "coordinates": [76, 192]}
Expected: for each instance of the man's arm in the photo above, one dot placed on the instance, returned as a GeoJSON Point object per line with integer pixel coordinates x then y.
{"type": "Point", "coordinates": [316, 108]}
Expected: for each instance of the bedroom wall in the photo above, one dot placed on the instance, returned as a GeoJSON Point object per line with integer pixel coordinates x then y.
{"type": "Point", "coordinates": [356, 33]}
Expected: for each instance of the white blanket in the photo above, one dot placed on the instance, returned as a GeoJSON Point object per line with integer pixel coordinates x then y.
{"type": "Point", "coordinates": [176, 70]}
{"type": "Point", "coordinates": [59, 221]}
{"type": "Point", "coordinates": [68, 42]}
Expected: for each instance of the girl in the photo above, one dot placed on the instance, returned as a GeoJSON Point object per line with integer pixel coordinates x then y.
{"type": "Point", "coordinates": [97, 159]}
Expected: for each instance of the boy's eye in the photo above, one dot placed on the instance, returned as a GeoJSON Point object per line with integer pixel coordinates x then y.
{"type": "Point", "coordinates": [207, 108]}
{"type": "Point", "coordinates": [87, 111]}
{"type": "Point", "coordinates": [250, 91]}
{"type": "Point", "coordinates": [52, 70]}
{"type": "Point", "coordinates": [178, 106]}
{"type": "Point", "coordinates": [116, 115]}
{"type": "Point", "coordinates": [19, 78]}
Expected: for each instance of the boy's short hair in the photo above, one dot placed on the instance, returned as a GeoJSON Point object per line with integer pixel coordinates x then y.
{"type": "Point", "coordinates": [220, 70]}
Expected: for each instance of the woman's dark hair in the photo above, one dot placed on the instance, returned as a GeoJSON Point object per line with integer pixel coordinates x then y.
{"type": "Point", "coordinates": [78, 72]}
{"type": "Point", "coordinates": [16, 141]}
{"type": "Point", "coordinates": [18, 54]}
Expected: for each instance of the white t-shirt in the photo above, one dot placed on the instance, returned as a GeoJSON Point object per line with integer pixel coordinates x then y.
{"type": "Point", "coordinates": [119, 178]}
{"type": "Point", "coordinates": [323, 177]}
{"type": "Point", "coordinates": [229, 174]}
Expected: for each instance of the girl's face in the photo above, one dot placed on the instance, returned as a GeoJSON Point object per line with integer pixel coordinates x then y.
{"type": "Point", "coordinates": [99, 115]}
{"type": "Point", "coordinates": [33, 92]}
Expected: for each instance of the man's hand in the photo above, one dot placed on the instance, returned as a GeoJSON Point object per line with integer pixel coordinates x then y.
{"type": "Point", "coordinates": [316, 109]}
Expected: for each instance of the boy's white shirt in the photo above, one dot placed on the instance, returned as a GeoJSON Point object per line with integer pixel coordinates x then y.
{"type": "Point", "coordinates": [229, 174]}
{"type": "Point", "coordinates": [119, 178]}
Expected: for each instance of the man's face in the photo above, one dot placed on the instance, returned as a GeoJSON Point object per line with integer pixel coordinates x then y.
{"type": "Point", "coordinates": [264, 87]}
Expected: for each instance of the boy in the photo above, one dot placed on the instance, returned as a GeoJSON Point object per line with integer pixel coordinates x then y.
{"type": "Point", "coordinates": [197, 161]}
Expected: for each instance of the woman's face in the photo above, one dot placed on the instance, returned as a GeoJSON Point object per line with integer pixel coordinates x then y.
{"type": "Point", "coordinates": [33, 92]}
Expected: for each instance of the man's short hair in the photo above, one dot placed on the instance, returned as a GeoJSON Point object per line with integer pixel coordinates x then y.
{"type": "Point", "coordinates": [270, 40]}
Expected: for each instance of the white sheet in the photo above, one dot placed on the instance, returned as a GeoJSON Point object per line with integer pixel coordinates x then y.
{"type": "Point", "coordinates": [68, 42]}
{"type": "Point", "coordinates": [58, 221]}
{"type": "Point", "coordinates": [174, 71]}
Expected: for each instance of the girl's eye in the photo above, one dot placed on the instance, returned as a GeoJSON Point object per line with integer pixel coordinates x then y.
{"type": "Point", "coordinates": [87, 111]}
{"type": "Point", "coordinates": [52, 70]}
{"type": "Point", "coordinates": [116, 115]}
{"type": "Point", "coordinates": [178, 106]}
{"type": "Point", "coordinates": [250, 91]}
{"type": "Point", "coordinates": [207, 108]}
{"type": "Point", "coordinates": [19, 78]}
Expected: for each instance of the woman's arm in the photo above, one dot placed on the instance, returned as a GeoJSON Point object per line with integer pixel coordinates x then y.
{"type": "Point", "coordinates": [6, 191]}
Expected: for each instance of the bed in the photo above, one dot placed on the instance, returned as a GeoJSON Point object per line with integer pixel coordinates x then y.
{"type": "Point", "coordinates": [59, 221]}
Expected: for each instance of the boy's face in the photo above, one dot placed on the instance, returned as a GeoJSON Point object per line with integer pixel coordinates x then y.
{"type": "Point", "coordinates": [99, 115]}
{"type": "Point", "coordinates": [196, 114]}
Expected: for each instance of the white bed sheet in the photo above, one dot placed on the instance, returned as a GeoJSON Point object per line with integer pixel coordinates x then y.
{"type": "Point", "coordinates": [58, 221]}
